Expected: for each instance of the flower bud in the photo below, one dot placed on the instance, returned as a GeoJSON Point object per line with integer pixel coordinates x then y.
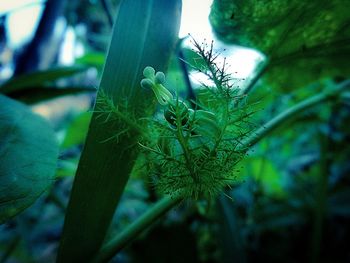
{"type": "Point", "coordinates": [162, 94]}
{"type": "Point", "coordinates": [159, 78]}
{"type": "Point", "coordinates": [147, 84]}
{"type": "Point", "coordinates": [149, 72]}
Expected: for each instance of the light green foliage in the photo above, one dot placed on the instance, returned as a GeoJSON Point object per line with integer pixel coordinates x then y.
{"type": "Point", "coordinates": [264, 172]}
{"type": "Point", "coordinates": [76, 131]}
{"type": "Point", "coordinates": [303, 40]}
{"type": "Point", "coordinates": [191, 149]}
{"type": "Point", "coordinates": [28, 154]}
{"type": "Point", "coordinates": [124, 122]}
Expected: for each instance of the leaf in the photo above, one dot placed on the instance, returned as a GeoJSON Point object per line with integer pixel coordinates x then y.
{"type": "Point", "coordinates": [95, 59]}
{"type": "Point", "coordinates": [265, 172]}
{"type": "Point", "coordinates": [38, 78]}
{"type": "Point", "coordinates": [28, 155]}
{"type": "Point", "coordinates": [77, 130]}
{"type": "Point", "coordinates": [32, 95]}
{"type": "Point", "coordinates": [303, 40]}
{"type": "Point", "coordinates": [144, 34]}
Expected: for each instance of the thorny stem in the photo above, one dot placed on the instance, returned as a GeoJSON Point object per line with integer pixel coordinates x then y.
{"type": "Point", "coordinates": [181, 139]}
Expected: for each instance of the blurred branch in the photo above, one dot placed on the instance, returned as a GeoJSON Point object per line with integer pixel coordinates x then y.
{"type": "Point", "coordinates": [107, 7]}
{"type": "Point", "coordinates": [292, 112]}
{"type": "Point", "coordinates": [261, 71]}
{"type": "Point", "coordinates": [181, 58]}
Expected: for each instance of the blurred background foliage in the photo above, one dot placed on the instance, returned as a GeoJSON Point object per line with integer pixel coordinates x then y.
{"type": "Point", "coordinates": [291, 202]}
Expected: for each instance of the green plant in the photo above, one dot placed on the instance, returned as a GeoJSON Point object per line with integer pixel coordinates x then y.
{"type": "Point", "coordinates": [192, 151]}
{"type": "Point", "coordinates": [188, 148]}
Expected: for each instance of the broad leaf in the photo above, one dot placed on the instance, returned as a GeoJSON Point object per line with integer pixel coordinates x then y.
{"type": "Point", "coordinates": [144, 34]}
{"type": "Point", "coordinates": [28, 155]}
{"type": "Point", "coordinates": [303, 40]}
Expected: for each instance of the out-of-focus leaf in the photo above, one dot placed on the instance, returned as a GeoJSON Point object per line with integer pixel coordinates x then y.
{"type": "Point", "coordinates": [263, 171]}
{"type": "Point", "coordinates": [38, 78]}
{"type": "Point", "coordinates": [96, 59]}
{"type": "Point", "coordinates": [304, 40]}
{"type": "Point", "coordinates": [28, 154]}
{"type": "Point", "coordinates": [77, 130]}
{"type": "Point", "coordinates": [66, 168]}
{"type": "Point", "coordinates": [41, 93]}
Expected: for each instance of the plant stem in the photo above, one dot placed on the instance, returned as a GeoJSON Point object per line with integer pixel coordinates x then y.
{"type": "Point", "coordinates": [134, 229]}
{"type": "Point", "coordinates": [291, 113]}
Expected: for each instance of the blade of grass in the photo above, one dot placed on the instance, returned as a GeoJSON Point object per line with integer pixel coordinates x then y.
{"type": "Point", "coordinates": [144, 34]}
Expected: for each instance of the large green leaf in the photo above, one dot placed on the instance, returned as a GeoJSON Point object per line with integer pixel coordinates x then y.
{"type": "Point", "coordinates": [144, 34]}
{"type": "Point", "coordinates": [28, 155]}
{"type": "Point", "coordinates": [303, 40]}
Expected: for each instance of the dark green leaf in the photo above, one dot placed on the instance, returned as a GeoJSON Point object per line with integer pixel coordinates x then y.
{"type": "Point", "coordinates": [144, 34]}
{"type": "Point", "coordinates": [303, 40]}
{"type": "Point", "coordinates": [31, 95]}
{"type": "Point", "coordinates": [28, 155]}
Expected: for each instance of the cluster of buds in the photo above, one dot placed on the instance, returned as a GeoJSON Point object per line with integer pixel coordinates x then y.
{"type": "Point", "coordinates": [176, 111]}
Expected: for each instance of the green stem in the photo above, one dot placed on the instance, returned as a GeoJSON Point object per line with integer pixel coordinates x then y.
{"type": "Point", "coordinates": [183, 143]}
{"type": "Point", "coordinates": [134, 229]}
{"type": "Point", "coordinates": [291, 113]}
